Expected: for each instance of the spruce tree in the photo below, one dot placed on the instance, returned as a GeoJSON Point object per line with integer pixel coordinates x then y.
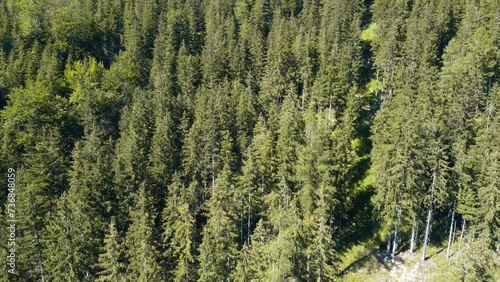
{"type": "Point", "coordinates": [77, 225]}
{"type": "Point", "coordinates": [140, 242]}
{"type": "Point", "coordinates": [62, 245]}
{"type": "Point", "coordinates": [219, 245]}
{"type": "Point", "coordinates": [322, 260]}
{"type": "Point", "coordinates": [179, 231]}
{"type": "Point", "coordinates": [259, 176]}
{"type": "Point", "coordinates": [281, 203]}
{"type": "Point", "coordinates": [253, 260]}
{"type": "Point", "coordinates": [131, 154]}
{"type": "Point", "coordinates": [39, 184]}
{"type": "Point", "coordinates": [110, 262]}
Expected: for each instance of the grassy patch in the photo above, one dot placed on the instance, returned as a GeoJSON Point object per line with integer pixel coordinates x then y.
{"type": "Point", "coordinates": [363, 262]}
{"type": "Point", "coordinates": [369, 34]}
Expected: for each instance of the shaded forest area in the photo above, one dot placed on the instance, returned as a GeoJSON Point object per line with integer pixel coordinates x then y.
{"type": "Point", "coordinates": [247, 140]}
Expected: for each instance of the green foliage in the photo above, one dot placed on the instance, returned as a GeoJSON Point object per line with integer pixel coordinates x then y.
{"type": "Point", "coordinates": [178, 223]}
{"type": "Point", "coordinates": [28, 113]}
{"type": "Point", "coordinates": [110, 260]}
{"type": "Point", "coordinates": [219, 247]}
{"type": "Point", "coordinates": [248, 140]}
{"type": "Point", "coordinates": [40, 182]}
{"type": "Point", "coordinates": [141, 249]}
{"type": "Point", "coordinates": [131, 152]}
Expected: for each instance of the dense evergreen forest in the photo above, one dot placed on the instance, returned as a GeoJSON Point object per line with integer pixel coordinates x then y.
{"type": "Point", "coordinates": [247, 140]}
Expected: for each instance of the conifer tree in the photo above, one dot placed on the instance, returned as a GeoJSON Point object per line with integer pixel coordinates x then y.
{"type": "Point", "coordinates": [109, 19]}
{"type": "Point", "coordinates": [5, 27]}
{"type": "Point", "coordinates": [259, 176]}
{"type": "Point", "coordinates": [141, 250]}
{"type": "Point", "coordinates": [396, 158]}
{"type": "Point", "coordinates": [163, 77]}
{"type": "Point", "coordinates": [179, 231]}
{"type": "Point", "coordinates": [49, 71]}
{"type": "Point", "coordinates": [219, 42]}
{"type": "Point", "coordinates": [254, 257]}
{"type": "Point", "coordinates": [307, 174]}
{"type": "Point", "coordinates": [251, 38]}
{"type": "Point", "coordinates": [203, 156]}
{"type": "Point", "coordinates": [39, 184]}
{"type": "Point", "coordinates": [322, 260]}
{"type": "Point", "coordinates": [110, 262]}
{"type": "Point", "coordinates": [280, 71]}
{"type": "Point", "coordinates": [340, 54]}
{"type": "Point", "coordinates": [62, 245]}
{"type": "Point", "coordinates": [78, 222]}
{"type": "Point", "coordinates": [389, 20]}
{"type": "Point", "coordinates": [188, 79]}
{"type": "Point", "coordinates": [219, 245]}
{"type": "Point", "coordinates": [131, 153]}
{"type": "Point", "coordinates": [164, 156]}
{"type": "Point", "coordinates": [478, 201]}
{"type": "Point", "coordinates": [15, 68]}
{"type": "Point", "coordinates": [282, 212]}
{"type": "Point", "coordinates": [246, 114]}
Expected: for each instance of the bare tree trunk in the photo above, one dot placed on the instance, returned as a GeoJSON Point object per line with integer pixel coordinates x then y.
{"type": "Point", "coordinates": [389, 240]}
{"type": "Point", "coordinates": [461, 235]}
{"type": "Point", "coordinates": [451, 232]}
{"type": "Point", "coordinates": [429, 217]}
{"type": "Point", "coordinates": [396, 236]}
{"type": "Point", "coordinates": [242, 223]}
{"type": "Point", "coordinates": [426, 237]}
{"type": "Point", "coordinates": [329, 111]}
{"type": "Point", "coordinates": [213, 171]}
{"type": "Point", "coordinates": [454, 232]}
{"type": "Point", "coordinates": [414, 231]}
{"type": "Point", "coordinates": [413, 242]}
{"type": "Point", "coordinates": [249, 217]}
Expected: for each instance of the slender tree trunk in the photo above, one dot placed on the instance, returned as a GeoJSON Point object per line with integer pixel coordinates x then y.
{"type": "Point", "coordinates": [396, 230]}
{"type": "Point", "coordinates": [454, 232]}
{"type": "Point", "coordinates": [242, 224]}
{"type": "Point", "coordinates": [461, 235]}
{"type": "Point", "coordinates": [427, 227]}
{"type": "Point", "coordinates": [330, 111]}
{"type": "Point", "coordinates": [429, 217]}
{"type": "Point", "coordinates": [451, 232]}
{"type": "Point", "coordinates": [213, 171]}
{"type": "Point", "coordinates": [414, 231]}
{"type": "Point", "coordinates": [413, 236]}
{"type": "Point", "coordinates": [394, 244]}
{"type": "Point", "coordinates": [249, 217]}
{"type": "Point", "coordinates": [396, 236]}
{"type": "Point", "coordinates": [389, 240]}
